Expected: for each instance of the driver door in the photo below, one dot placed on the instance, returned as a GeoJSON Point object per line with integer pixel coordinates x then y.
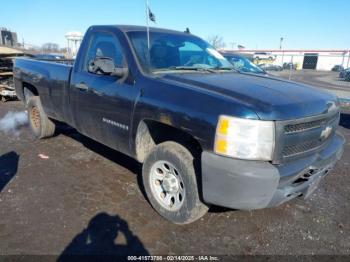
{"type": "Point", "coordinates": [102, 104]}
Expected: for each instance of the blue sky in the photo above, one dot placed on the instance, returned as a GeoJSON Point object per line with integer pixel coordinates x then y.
{"type": "Point", "coordinates": [305, 24]}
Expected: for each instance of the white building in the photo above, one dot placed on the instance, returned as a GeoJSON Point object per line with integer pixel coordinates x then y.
{"type": "Point", "coordinates": [307, 59]}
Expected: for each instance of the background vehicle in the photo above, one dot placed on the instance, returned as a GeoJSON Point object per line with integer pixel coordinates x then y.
{"type": "Point", "coordinates": [58, 58]}
{"type": "Point", "coordinates": [342, 73]}
{"type": "Point", "coordinates": [49, 56]}
{"type": "Point", "coordinates": [264, 56]}
{"type": "Point", "coordinates": [337, 68]}
{"type": "Point", "coordinates": [270, 67]}
{"type": "Point", "coordinates": [347, 76]}
{"type": "Point", "coordinates": [205, 133]}
{"type": "Point", "coordinates": [289, 66]}
{"type": "Point", "coordinates": [7, 89]}
{"type": "Point", "coordinates": [243, 64]}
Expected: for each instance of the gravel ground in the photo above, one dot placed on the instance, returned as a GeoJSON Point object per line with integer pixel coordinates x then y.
{"type": "Point", "coordinates": [71, 194]}
{"type": "Point", "coordinates": [323, 79]}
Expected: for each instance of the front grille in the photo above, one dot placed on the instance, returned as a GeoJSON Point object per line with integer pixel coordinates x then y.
{"type": "Point", "coordinates": [292, 150]}
{"type": "Point", "coordinates": [293, 128]}
{"type": "Point", "coordinates": [302, 126]}
{"type": "Point", "coordinates": [299, 137]}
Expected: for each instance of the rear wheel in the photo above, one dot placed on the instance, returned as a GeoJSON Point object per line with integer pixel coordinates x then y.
{"type": "Point", "coordinates": [170, 181]}
{"type": "Point", "coordinates": [40, 124]}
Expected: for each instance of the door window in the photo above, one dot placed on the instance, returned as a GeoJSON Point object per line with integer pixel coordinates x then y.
{"type": "Point", "coordinates": [104, 45]}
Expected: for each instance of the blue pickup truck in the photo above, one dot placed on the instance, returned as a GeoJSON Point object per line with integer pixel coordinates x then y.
{"type": "Point", "coordinates": [205, 133]}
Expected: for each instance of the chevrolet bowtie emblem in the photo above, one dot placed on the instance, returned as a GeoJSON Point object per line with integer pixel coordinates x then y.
{"type": "Point", "coordinates": [326, 133]}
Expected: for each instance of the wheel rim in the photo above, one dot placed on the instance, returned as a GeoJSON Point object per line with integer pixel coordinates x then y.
{"type": "Point", "coordinates": [35, 117]}
{"type": "Point", "coordinates": [167, 185]}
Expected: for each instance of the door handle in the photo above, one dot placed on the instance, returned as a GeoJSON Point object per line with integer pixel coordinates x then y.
{"type": "Point", "coordinates": [82, 86]}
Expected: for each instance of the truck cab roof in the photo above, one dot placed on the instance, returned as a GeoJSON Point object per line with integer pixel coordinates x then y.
{"type": "Point", "coordinates": [136, 28]}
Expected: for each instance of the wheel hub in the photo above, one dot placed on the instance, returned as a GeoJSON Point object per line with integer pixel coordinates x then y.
{"type": "Point", "coordinates": [170, 183]}
{"type": "Point", "coordinates": [167, 185]}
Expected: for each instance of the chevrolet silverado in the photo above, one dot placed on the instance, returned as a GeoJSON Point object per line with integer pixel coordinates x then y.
{"type": "Point", "coordinates": [205, 133]}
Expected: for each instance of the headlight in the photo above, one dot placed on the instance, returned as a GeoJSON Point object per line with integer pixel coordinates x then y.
{"type": "Point", "coordinates": [245, 138]}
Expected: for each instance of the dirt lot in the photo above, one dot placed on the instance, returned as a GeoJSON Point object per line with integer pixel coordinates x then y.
{"type": "Point", "coordinates": [329, 81]}
{"type": "Point", "coordinates": [79, 196]}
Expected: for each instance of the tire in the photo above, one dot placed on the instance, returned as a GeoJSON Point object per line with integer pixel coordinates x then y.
{"type": "Point", "coordinates": [185, 209]}
{"type": "Point", "coordinates": [40, 124]}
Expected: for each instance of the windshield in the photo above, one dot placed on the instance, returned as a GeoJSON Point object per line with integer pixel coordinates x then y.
{"type": "Point", "coordinates": [169, 52]}
{"type": "Point", "coordinates": [243, 64]}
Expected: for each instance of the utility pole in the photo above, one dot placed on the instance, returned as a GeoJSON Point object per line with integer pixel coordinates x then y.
{"type": "Point", "coordinates": [290, 68]}
{"type": "Point", "coordinates": [281, 40]}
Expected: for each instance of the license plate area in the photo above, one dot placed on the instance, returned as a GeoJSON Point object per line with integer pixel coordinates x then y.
{"type": "Point", "coordinates": [312, 187]}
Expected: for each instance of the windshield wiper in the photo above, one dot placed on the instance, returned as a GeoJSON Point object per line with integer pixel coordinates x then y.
{"type": "Point", "coordinates": [190, 68]}
{"type": "Point", "coordinates": [226, 69]}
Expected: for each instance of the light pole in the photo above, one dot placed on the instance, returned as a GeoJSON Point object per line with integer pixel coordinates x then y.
{"type": "Point", "coordinates": [281, 40]}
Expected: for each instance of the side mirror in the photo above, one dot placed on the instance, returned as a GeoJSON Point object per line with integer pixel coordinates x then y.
{"type": "Point", "coordinates": [105, 66]}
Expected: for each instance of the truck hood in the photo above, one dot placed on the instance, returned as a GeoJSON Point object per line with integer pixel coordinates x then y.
{"type": "Point", "coordinates": [271, 98]}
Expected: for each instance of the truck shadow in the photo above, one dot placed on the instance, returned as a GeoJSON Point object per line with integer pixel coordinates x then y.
{"type": "Point", "coordinates": [109, 153]}
{"type": "Point", "coordinates": [119, 158]}
{"type": "Point", "coordinates": [345, 120]}
{"type": "Point", "coordinates": [100, 241]}
{"type": "Point", "coordinates": [8, 168]}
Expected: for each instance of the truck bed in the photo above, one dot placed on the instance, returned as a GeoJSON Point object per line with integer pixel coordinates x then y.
{"type": "Point", "coordinates": [50, 78]}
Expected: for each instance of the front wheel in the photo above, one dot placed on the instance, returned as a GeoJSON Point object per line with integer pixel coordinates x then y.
{"type": "Point", "coordinates": [40, 124]}
{"type": "Point", "coordinates": [170, 181]}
